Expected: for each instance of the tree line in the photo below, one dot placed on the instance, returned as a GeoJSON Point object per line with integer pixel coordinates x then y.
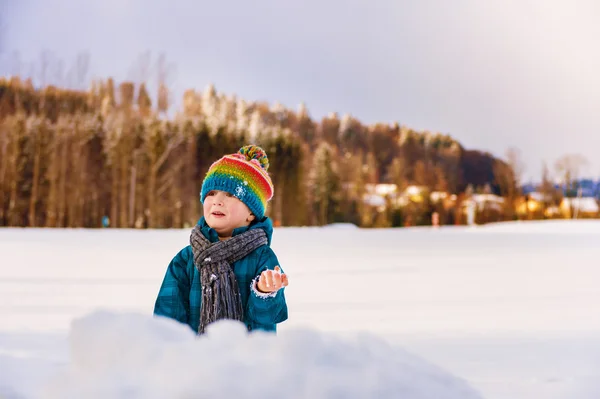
{"type": "Point", "coordinates": [69, 158]}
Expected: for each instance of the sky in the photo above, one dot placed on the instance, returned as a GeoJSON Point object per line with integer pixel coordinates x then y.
{"type": "Point", "coordinates": [493, 74]}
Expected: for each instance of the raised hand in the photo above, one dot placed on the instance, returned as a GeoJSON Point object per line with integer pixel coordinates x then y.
{"type": "Point", "coordinates": [272, 280]}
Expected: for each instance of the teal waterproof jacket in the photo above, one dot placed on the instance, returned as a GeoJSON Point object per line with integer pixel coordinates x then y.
{"type": "Point", "coordinates": [180, 295]}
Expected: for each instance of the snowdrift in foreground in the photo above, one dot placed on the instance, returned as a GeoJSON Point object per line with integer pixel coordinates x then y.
{"type": "Point", "coordinates": [137, 356]}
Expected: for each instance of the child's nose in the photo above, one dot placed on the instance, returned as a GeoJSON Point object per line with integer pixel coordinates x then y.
{"type": "Point", "coordinates": [219, 198]}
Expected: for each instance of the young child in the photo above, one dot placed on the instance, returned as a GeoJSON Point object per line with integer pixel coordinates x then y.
{"type": "Point", "coordinates": [229, 270]}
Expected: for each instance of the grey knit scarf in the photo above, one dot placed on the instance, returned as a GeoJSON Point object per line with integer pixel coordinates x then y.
{"type": "Point", "coordinates": [220, 292]}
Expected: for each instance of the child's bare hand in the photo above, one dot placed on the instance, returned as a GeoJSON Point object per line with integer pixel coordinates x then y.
{"type": "Point", "coordinates": [272, 280]}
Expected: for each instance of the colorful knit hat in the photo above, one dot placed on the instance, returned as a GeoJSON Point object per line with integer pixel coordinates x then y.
{"type": "Point", "coordinates": [244, 175]}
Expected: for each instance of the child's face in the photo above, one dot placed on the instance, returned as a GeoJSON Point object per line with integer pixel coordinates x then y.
{"type": "Point", "coordinates": [224, 212]}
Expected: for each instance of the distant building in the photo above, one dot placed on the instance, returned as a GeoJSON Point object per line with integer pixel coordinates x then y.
{"type": "Point", "coordinates": [579, 207]}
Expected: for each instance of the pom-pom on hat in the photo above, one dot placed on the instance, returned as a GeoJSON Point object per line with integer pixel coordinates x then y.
{"type": "Point", "coordinates": [243, 175]}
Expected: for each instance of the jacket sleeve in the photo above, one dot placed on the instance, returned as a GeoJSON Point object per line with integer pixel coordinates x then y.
{"type": "Point", "coordinates": [173, 297]}
{"type": "Point", "coordinates": [265, 310]}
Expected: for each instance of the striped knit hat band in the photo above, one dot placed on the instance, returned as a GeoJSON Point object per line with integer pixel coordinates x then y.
{"type": "Point", "coordinates": [243, 175]}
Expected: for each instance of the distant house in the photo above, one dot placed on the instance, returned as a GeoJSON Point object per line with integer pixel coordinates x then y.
{"type": "Point", "coordinates": [537, 205]}
{"type": "Point", "coordinates": [416, 193]}
{"type": "Point", "coordinates": [484, 201]}
{"type": "Point", "coordinates": [382, 189]}
{"type": "Point", "coordinates": [483, 208]}
{"type": "Point", "coordinates": [376, 195]}
{"type": "Point", "coordinates": [375, 200]}
{"type": "Point", "coordinates": [532, 203]}
{"type": "Point", "coordinates": [539, 197]}
{"type": "Point", "coordinates": [440, 196]}
{"type": "Point", "coordinates": [580, 207]}
{"type": "Point", "coordinates": [552, 212]}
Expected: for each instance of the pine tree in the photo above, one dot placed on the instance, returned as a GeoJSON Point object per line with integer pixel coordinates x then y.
{"type": "Point", "coordinates": [324, 184]}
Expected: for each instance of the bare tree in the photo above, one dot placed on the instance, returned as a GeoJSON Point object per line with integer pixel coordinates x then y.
{"type": "Point", "coordinates": [140, 70]}
{"type": "Point", "coordinates": [44, 68]}
{"type": "Point", "coordinates": [569, 168]}
{"type": "Point", "coordinates": [546, 187]}
{"type": "Point", "coordinates": [165, 72]}
{"type": "Point", "coordinates": [77, 75]}
{"type": "Point", "coordinates": [514, 159]}
{"type": "Point", "coordinates": [160, 142]}
{"type": "Point", "coordinates": [143, 101]}
{"type": "Point", "coordinates": [67, 132]}
{"type": "Point", "coordinates": [37, 136]}
{"type": "Point", "coordinates": [15, 64]}
{"type": "Point", "coordinates": [57, 74]}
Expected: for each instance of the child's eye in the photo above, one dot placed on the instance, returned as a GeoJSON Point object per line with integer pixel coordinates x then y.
{"type": "Point", "coordinates": [210, 194]}
{"type": "Point", "coordinates": [229, 194]}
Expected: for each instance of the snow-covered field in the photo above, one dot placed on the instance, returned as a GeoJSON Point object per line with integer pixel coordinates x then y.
{"type": "Point", "coordinates": [512, 309]}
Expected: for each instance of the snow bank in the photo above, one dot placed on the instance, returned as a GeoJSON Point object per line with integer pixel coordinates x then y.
{"type": "Point", "coordinates": [137, 356]}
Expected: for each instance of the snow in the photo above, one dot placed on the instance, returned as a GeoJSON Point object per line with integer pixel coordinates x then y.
{"type": "Point", "coordinates": [583, 204]}
{"type": "Point", "coordinates": [540, 197]}
{"type": "Point", "coordinates": [374, 200]}
{"type": "Point", "coordinates": [135, 356]}
{"type": "Point", "coordinates": [509, 310]}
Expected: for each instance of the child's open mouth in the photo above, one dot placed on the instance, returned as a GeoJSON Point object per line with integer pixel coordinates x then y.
{"type": "Point", "coordinates": [218, 214]}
